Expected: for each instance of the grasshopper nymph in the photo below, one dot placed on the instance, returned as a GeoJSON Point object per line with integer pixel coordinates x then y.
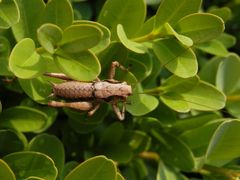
{"type": "Point", "coordinates": [87, 96]}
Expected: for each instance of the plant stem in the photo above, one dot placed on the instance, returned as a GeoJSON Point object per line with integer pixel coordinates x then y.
{"type": "Point", "coordinates": [147, 37]}
{"type": "Point", "coordinates": [233, 97]}
{"type": "Point", "coordinates": [154, 91]}
{"type": "Point", "coordinates": [150, 156]}
{"type": "Point", "coordinates": [228, 173]}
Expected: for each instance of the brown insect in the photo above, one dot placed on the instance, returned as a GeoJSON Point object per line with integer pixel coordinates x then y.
{"type": "Point", "coordinates": [87, 96]}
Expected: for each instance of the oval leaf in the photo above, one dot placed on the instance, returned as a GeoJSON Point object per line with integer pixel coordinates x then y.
{"type": "Point", "coordinates": [51, 146]}
{"type": "Point", "coordinates": [131, 14]}
{"type": "Point", "coordinates": [225, 139]}
{"type": "Point", "coordinates": [24, 61]}
{"type": "Point", "coordinates": [9, 13]}
{"type": "Point", "coordinates": [77, 38]}
{"type": "Point", "coordinates": [48, 36]}
{"type": "Point", "coordinates": [27, 164]}
{"type": "Point", "coordinates": [5, 171]}
{"type": "Point", "coordinates": [95, 168]}
{"type": "Point", "coordinates": [131, 45]}
{"type": "Point", "coordinates": [83, 66]}
{"type": "Point", "coordinates": [200, 27]}
{"type": "Point", "coordinates": [178, 59]}
{"type": "Point", "coordinates": [105, 41]}
{"type": "Point", "coordinates": [172, 10]}
{"type": "Point", "coordinates": [23, 119]}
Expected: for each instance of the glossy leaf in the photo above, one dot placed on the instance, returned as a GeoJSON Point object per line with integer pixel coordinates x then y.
{"type": "Point", "coordinates": [178, 59]}
{"type": "Point", "coordinates": [11, 141]}
{"type": "Point", "coordinates": [9, 13]}
{"type": "Point", "coordinates": [167, 30]}
{"type": "Point", "coordinates": [225, 139]}
{"type": "Point", "coordinates": [167, 173]}
{"type": "Point", "coordinates": [202, 97]}
{"type": "Point", "coordinates": [172, 10]}
{"type": "Point", "coordinates": [131, 45]}
{"type": "Point", "coordinates": [5, 171]}
{"type": "Point", "coordinates": [24, 61]}
{"type": "Point", "coordinates": [53, 13]}
{"type": "Point", "coordinates": [105, 41]}
{"type": "Point", "coordinates": [224, 12]}
{"type": "Point", "coordinates": [206, 131]}
{"type": "Point", "coordinates": [80, 37]}
{"type": "Point", "coordinates": [23, 119]}
{"type": "Point", "coordinates": [213, 47]}
{"type": "Point", "coordinates": [51, 146]}
{"type": "Point", "coordinates": [83, 66]}
{"type": "Point", "coordinates": [141, 104]}
{"type": "Point", "coordinates": [227, 40]}
{"type": "Point", "coordinates": [27, 27]}
{"type": "Point", "coordinates": [131, 15]}
{"type": "Point", "coordinates": [48, 36]}
{"type": "Point", "coordinates": [200, 27]}
{"type": "Point", "coordinates": [96, 168]}
{"type": "Point", "coordinates": [38, 88]}
{"type": "Point", "coordinates": [228, 75]}
{"type": "Point", "coordinates": [27, 164]}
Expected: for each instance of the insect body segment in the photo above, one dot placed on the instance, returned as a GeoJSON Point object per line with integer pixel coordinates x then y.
{"type": "Point", "coordinates": [87, 96]}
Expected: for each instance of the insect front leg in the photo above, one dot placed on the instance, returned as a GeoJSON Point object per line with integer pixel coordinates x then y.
{"type": "Point", "coordinates": [112, 70]}
{"type": "Point", "coordinates": [94, 109]}
{"type": "Point", "coordinates": [120, 113]}
{"type": "Point", "coordinates": [83, 106]}
{"type": "Point", "coordinates": [58, 75]}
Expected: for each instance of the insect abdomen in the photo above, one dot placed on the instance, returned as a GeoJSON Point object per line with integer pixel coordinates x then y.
{"type": "Point", "coordinates": [73, 90]}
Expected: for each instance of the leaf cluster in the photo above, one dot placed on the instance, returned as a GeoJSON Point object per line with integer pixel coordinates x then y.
{"type": "Point", "coordinates": [180, 69]}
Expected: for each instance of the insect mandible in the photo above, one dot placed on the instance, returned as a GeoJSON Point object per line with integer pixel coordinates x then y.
{"type": "Point", "coordinates": [87, 96]}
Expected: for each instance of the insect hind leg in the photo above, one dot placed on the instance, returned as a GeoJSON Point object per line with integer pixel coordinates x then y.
{"type": "Point", "coordinates": [113, 67]}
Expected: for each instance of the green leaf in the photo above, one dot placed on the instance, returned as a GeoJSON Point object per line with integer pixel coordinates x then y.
{"type": "Point", "coordinates": [174, 151]}
{"type": "Point", "coordinates": [131, 45]}
{"type": "Point", "coordinates": [140, 65]}
{"type": "Point", "coordinates": [225, 139]}
{"type": "Point", "coordinates": [141, 104]}
{"type": "Point", "coordinates": [37, 89]}
{"type": "Point", "coordinates": [24, 61]}
{"type": "Point", "coordinates": [105, 41]}
{"type": "Point", "coordinates": [166, 173]}
{"type": "Point", "coordinates": [11, 141]}
{"type": "Point", "coordinates": [206, 131]}
{"type": "Point", "coordinates": [9, 13]}
{"type": "Point", "coordinates": [180, 85]}
{"type": "Point", "coordinates": [120, 177]}
{"type": "Point", "coordinates": [204, 97]}
{"type": "Point", "coordinates": [200, 27]}
{"type": "Point", "coordinates": [172, 10]}
{"type": "Point", "coordinates": [53, 13]}
{"type": "Point", "coordinates": [27, 164]}
{"type": "Point", "coordinates": [68, 167]}
{"type": "Point", "coordinates": [228, 75]}
{"type": "Point", "coordinates": [4, 52]}
{"type": "Point", "coordinates": [80, 37]}
{"type": "Point", "coordinates": [147, 27]}
{"type": "Point", "coordinates": [83, 66]}
{"type": "Point", "coordinates": [227, 40]}
{"type": "Point", "coordinates": [178, 59]}
{"type": "Point", "coordinates": [30, 19]}
{"type": "Point", "coordinates": [213, 47]}
{"type": "Point", "coordinates": [51, 146]}
{"type": "Point", "coordinates": [95, 168]}
{"type": "Point", "coordinates": [23, 119]}
{"type": "Point", "coordinates": [49, 35]}
{"type": "Point", "coordinates": [139, 141]}
{"type": "Point", "coordinates": [224, 12]}
{"type": "Point", "coordinates": [233, 106]}
{"type": "Point", "coordinates": [5, 171]}
{"type": "Point", "coordinates": [131, 15]}
{"type": "Point", "coordinates": [168, 30]}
